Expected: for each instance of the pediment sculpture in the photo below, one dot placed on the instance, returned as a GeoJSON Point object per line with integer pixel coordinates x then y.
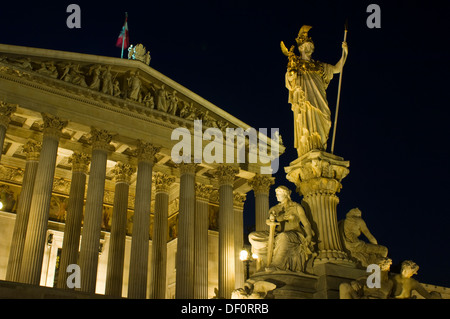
{"type": "Point", "coordinates": [128, 85]}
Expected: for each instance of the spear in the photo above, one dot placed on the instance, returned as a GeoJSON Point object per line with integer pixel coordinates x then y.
{"type": "Point", "coordinates": [339, 92]}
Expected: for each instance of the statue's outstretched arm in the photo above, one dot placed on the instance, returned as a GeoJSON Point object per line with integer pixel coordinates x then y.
{"type": "Point", "coordinates": [367, 233]}
{"type": "Point", "coordinates": [338, 67]}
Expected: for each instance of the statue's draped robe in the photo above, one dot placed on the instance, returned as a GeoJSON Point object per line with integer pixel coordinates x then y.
{"type": "Point", "coordinates": [290, 251]}
{"type": "Point", "coordinates": [365, 253]}
{"type": "Point", "coordinates": [307, 95]}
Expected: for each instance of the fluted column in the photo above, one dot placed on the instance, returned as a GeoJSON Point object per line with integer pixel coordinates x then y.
{"type": "Point", "coordinates": [6, 110]}
{"type": "Point", "coordinates": [185, 245]}
{"type": "Point", "coordinates": [318, 177]}
{"type": "Point", "coordinates": [32, 150]}
{"type": "Point", "coordinates": [114, 273]}
{"type": "Point", "coordinates": [261, 186]}
{"type": "Point", "coordinates": [159, 236]}
{"type": "Point", "coordinates": [238, 203]}
{"type": "Point", "coordinates": [33, 253]}
{"type": "Point", "coordinates": [202, 194]}
{"type": "Point", "coordinates": [90, 237]}
{"type": "Point", "coordinates": [71, 240]}
{"type": "Point", "coordinates": [137, 282]}
{"type": "Point", "coordinates": [226, 175]}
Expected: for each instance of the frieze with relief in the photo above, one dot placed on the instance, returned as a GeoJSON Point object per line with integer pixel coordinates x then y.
{"type": "Point", "coordinates": [129, 86]}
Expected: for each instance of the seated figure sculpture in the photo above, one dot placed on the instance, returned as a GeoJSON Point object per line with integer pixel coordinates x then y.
{"type": "Point", "coordinates": [292, 245]}
{"type": "Point", "coordinates": [358, 289]}
{"type": "Point", "coordinates": [404, 285]}
{"type": "Point", "coordinates": [398, 286]}
{"type": "Point", "coordinates": [350, 229]}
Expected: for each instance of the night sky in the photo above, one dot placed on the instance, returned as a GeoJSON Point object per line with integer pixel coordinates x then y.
{"type": "Point", "coordinates": [393, 116]}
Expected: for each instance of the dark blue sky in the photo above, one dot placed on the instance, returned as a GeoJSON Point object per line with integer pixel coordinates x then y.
{"type": "Point", "coordinates": [393, 117]}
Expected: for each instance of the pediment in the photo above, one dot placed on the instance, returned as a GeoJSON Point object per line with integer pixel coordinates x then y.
{"type": "Point", "coordinates": [129, 84]}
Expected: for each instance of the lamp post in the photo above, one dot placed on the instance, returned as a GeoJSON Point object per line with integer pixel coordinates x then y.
{"type": "Point", "coordinates": [247, 258]}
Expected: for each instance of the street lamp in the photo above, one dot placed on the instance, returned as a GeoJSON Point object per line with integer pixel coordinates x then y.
{"type": "Point", "coordinates": [245, 256]}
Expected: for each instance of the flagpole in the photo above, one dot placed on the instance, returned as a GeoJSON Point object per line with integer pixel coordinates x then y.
{"type": "Point", "coordinates": [123, 40]}
{"type": "Point", "coordinates": [339, 95]}
{"type": "Point", "coordinates": [124, 34]}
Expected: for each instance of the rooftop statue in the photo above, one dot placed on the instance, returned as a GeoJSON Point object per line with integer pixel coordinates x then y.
{"type": "Point", "coordinates": [291, 246]}
{"type": "Point", "coordinates": [307, 81]}
{"type": "Point", "coordinates": [140, 53]}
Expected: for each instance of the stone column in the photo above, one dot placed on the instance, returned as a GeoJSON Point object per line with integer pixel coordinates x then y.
{"type": "Point", "coordinates": [33, 252]}
{"type": "Point", "coordinates": [185, 246]}
{"type": "Point", "coordinates": [90, 237]}
{"type": "Point", "coordinates": [159, 236]}
{"type": "Point", "coordinates": [226, 175]}
{"type": "Point", "coordinates": [202, 194]}
{"type": "Point", "coordinates": [318, 177]}
{"type": "Point", "coordinates": [32, 150]}
{"type": "Point", "coordinates": [137, 282]}
{"type": "Point", "coordinates": [6, 110]}
{"type": "Point", "coordinates": [238, 203]}
{"type": "Point", "coordinates": [261, 186]}
{"type": "Point", "coordinates": [114, 273]}
{"type": "Point", "coordinates": [72, 230]}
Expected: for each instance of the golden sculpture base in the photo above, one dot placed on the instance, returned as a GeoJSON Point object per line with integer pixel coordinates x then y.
{"type": "Point", "coordinates": [317, 176]}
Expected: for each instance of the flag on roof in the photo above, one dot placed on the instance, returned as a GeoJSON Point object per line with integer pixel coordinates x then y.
{"type": "Point", "coordinates": [123, 41]}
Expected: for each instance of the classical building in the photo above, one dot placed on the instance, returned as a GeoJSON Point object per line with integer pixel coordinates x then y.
{"type": "Point", "coordinates": [87, 179]}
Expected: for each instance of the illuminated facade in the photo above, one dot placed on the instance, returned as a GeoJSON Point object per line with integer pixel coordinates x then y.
{"type": "Point", "coordinates": [87, 178]}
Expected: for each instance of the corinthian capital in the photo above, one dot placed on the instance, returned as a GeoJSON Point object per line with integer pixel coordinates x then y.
{"type": "Point", "coordinates": [239, 199]}
{"type": "Point", "coordinates": [162, 182]}
{"type": "Point", "coordinates": [6, 110]}
{"type": "Point", "coordinates": [123, 172]}
{"type": "Point", "coordinates": [53, 125]}
{"type": "Point", "coordinates": [146, 151]}
{"type": "Point", "coordinates": [187, 168]}
{"type": "Point", "coordinates": [32, 149]}
{"type": "Point", "coordinates": [100, 139]}
{"type": "Point", "coordinates": [80, 161]}
{"type": "Point", "coordinates": [226, 174]}
{"type": "Point", "coordinates": [261, 183]}
{"type": "Point", "coordinates": [203, 191]}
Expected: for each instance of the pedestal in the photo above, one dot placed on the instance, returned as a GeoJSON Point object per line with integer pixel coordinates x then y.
{"type": "Point", "coordinates": [317, 176]}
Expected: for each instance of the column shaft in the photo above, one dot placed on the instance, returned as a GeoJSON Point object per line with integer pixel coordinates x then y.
{"type": "Point", "coordinates": [323, 210]}
{"type": "Point", "coordinates": [72, 229]}
{"type": "Point", "coordinates": [261, 186]}
{"type": "Point", "coordinates": [239, 238]}
{"type": "Point", "coordinates": [2, 138]}
{"type": "Point", "coordinates": [33, 253]}
{"type": "Point", "coordinates": [226, 176]}
{"type": "Point", "coordinates": [261, 211]}
{"type": "Point", "coordinates": [201, 241]}
{"type": "Point", "coordinates": [137, 282]}
{"type": "Point", "coordinates": [32, 149]}
{"type": "Point", "coordinates": [90, 240]}
{"type": "Point", "coordinates": [114, 274]}
{"type": "Point", "coordinates": [159, 245]}
{"type": "Point", "coordinates": [185, 245]}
